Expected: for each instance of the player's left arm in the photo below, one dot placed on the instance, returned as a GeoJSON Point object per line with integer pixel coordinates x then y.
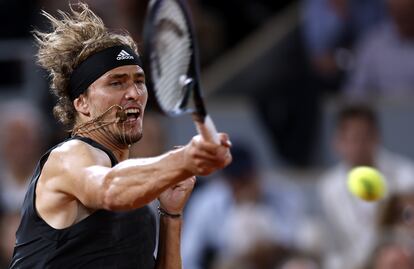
{"type": "Point", "coordinates": [172, 202]}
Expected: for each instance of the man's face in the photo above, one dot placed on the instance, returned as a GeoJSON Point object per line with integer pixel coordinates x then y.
{"type": "Point", "coordinates": [17, 130]}
{"type": "Point", "coordinates": [357, 141]}
{"type": "Point", "coordinates": [123, 86]}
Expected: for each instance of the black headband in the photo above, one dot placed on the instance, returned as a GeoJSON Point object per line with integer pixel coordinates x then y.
{"type": "Point", "coordinates": [98, 64]}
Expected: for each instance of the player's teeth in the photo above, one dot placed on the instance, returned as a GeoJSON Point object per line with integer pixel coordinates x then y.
{"type": "Point", "coordinates": [132, 110]}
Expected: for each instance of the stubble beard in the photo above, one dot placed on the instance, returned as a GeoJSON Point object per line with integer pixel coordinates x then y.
{"type": "Point", "coordinates": [127, 137]}
{"type": "Point", "coordinates": [111, 125]}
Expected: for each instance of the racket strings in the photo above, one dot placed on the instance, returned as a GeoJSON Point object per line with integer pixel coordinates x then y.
{"type": "Point", "coordinates": [107, 125]}
{"type": "Point", "coordinates": [171, 56]}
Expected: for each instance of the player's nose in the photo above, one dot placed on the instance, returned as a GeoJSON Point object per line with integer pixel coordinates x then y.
{"type": "Point", "coordinates": [135, 91]}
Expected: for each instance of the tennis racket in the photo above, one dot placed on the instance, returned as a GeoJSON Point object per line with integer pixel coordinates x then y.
{"type": "Point", "coordinates": [172, 64]}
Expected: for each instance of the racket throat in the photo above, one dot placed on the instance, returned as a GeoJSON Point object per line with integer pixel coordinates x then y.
{"type": "Point", "coordinates": [200, 109]}
{"type": "Point", "coordinates": [206, 128]}
{"type": "Point", "coordinates": [198, 118]}
{"type": "Point", "coordinates": [187, 85]}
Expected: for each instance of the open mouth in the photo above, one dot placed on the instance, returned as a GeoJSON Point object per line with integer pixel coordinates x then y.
{"type": "Point", "coordinates": [132, 114]}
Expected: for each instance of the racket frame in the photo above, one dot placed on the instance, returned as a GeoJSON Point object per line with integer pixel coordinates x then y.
{"type": "Point", "coordinates": [204, 123]}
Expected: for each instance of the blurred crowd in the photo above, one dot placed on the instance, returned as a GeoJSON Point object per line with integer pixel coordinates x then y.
{"type": "Point", "coordinates": [355, 51]}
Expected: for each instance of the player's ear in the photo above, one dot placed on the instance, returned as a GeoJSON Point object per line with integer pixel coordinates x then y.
{"type": "Point", "coordinates": [81, 105]}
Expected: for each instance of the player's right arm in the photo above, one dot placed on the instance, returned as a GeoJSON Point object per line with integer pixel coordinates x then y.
{"type": "Point", "coordinates": [77, 172]}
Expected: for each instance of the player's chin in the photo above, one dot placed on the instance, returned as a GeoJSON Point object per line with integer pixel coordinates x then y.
{"type": "Point", "coordinates": [134, 135]}
{"type": "Point", "coordinates": [130, 132]}
{"type": "Point", "coordinates": [135, 138]}
{"type": "Point", "coordinates": [130, 138]}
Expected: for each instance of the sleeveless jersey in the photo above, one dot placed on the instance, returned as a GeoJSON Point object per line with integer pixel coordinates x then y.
{"type": "Point", "coordinates": [105, 239]}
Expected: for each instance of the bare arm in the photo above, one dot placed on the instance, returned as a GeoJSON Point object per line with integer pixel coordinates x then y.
{"type": "Point", "coordinates": [172, 200]}
{"type": "Point", "coordinates": [77, 170]}
{"type": "Point", "coordinates": [142, 180]}
{"type": "Point", "coordinates": [169, 255]}
{"type": "Point", "coordinates": [136, 182]}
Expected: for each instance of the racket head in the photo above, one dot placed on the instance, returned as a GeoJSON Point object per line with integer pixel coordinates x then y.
{"type": "Point", "coordinates": [171, 58]}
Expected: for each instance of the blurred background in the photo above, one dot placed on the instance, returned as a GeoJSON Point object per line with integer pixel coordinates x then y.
{"type": "Point", "coordinates": [306, 89]}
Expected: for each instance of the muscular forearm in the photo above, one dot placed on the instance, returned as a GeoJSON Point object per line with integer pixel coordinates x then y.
{"type": "Point", "coordinates": [136, 182]}
{"type": "Point", "coordinates": [169, 254]}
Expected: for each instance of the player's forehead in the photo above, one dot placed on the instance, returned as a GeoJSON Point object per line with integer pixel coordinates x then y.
{"type": "Point", "coordinates": [130, 70]}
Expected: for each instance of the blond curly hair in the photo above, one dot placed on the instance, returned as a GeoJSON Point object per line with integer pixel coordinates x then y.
{"type": "Point", "coordinates": [76, 36]}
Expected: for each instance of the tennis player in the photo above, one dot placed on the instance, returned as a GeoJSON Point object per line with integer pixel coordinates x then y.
{"type": "Point", "coordinates": [86, 206]}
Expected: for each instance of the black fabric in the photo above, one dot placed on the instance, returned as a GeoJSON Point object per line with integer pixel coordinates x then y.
{"type": "Point", "coordinates": [98, 64]}
{"type": "Point", "coordinates": [93, 143]}
{"type": "Point", "coordinates": [105, 239]}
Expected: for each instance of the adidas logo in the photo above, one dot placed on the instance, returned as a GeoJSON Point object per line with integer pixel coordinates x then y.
{"type": "Point", "coordinates": [123, 55]}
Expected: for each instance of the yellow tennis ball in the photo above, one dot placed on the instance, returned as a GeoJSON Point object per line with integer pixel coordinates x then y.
{"type": "Point", "coordinates": [366, 183]}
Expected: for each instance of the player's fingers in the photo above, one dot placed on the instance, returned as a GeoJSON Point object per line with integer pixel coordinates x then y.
{"type": "Point", "coordinates": [211, 165]}
{"type": "Point", "coordinates": [189, 182]}
{"type": "Point", "coordinates": [206, 146]}
{"type": "Point", "coordinates": [215, 161]}
{"type": "Point", "coordinates": [205, 156]}
{"type": "Point", "coordinates": [186, 184]}
{"type": "Point", "coordinates": [212, 148]}
{"type": "Point", "coordinates": [228, 158]}
{"type": "Point", "coordinates": [224, 140]}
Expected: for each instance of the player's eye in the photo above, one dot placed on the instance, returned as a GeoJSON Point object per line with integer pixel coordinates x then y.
{"type": "Point", "coordinates": [139, 82]}
{"type": "Point", "coordinates": [115, 83]}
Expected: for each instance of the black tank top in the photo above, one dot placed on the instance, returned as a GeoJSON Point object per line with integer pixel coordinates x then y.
{"type": "Point", "coordinates": [105, 239]}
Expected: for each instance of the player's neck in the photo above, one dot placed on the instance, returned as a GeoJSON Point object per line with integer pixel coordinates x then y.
{"type": "Point", "coordinates": [121, 151]}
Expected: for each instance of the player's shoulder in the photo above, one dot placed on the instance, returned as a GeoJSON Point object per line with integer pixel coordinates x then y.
{"type": "Point", "coordinates": [76, 153]}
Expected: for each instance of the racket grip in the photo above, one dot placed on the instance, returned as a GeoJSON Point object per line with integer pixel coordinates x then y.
{"type": "Point", "coordinates": [208, 130]}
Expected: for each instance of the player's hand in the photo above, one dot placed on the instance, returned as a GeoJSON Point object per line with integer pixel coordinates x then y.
{"type": "Point", "coordinates": [174, 199]}
{"type": "Point", "coordinates": [203, 157]}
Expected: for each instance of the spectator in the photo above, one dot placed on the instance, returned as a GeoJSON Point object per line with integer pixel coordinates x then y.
{"type": "Point", "coordinates": [9, 222]}
{"type": "Point", "coordinates": [351, 221]}
{"type": "Point", "coordinates": [263, 255]}
{"type": "Point", "coordinates": [398, 214]}
{"type": "Point", "coordinates": [385, 58]}
{"type": "Point", "coordinates": [396, 222]}
{"type": "Point", "coordinates": [301, 261]}
{"type": "Point", "coordinates": [392, 254]}
{"type": "Point", "coordinates": [229, 218]}
{"type": "Point", "coordinates": [330, 26]}
{"type": "Point", "coordinates": [22, 141]}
